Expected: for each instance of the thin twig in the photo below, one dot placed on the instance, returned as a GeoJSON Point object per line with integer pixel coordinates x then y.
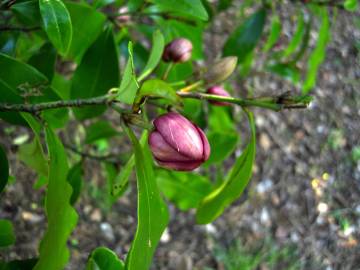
{"type": "Point", "coordinates": [109, 158]}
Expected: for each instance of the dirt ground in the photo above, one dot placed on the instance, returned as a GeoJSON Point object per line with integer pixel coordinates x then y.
{"type": "Point", "coordinates": [305, 191]}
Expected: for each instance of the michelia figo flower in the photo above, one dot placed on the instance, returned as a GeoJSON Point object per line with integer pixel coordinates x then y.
{"type": "Point", "coordinates": [219, 91]}
{"type": "Point", "coordinates": [177, 143]}
{"type": "Point", "coordinates": [179, 50]}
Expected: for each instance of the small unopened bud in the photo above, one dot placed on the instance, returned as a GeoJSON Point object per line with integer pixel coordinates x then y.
{"type": "Point", "coordinates": [220, 70]}
{"type": "Point", "coordinates": [219, 91]}
{"type": "Point", "coordinates": [179, 50]}
{"type": "Point", "coordinates": [178, 144]}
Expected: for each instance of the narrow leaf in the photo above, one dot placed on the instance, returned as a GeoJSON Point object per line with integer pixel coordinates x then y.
{"type": "Point", "coordinates": [129, 85]}
{"type": "Point", "coordinates": [233, 186]}
{"type": "Point", "coordinates": [57, 23]}
{"type": "Point", "coordinates": [96, 74]}
{"type": "Point", "coordinates": [153, 215]}
{"type": "Point", "coordinates": [7, 235]}
{"type": "Point", "coordinates": [62, 218]}
{"type": "Point", "coordinates": [4, 169]}
{"type": "Point", "coordinates": [244, 39]}
{"type": "Point", "coordinates": [275, 31]}
{"type": "Point", "coordinates": [157, 49]}
{"type": "Point", "coordinates": [318, 54]}
{"type": "Point", "coordinates": [297, 37]}
{"type": "Point", "coordinates": [33, 156]}
{"type": "Point", "coordinates": [75, 179]}
{"type": "Point", "coordinates": [103, 258]}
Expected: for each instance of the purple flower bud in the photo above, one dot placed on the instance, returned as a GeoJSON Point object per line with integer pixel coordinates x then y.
{"type": "Point", "coordinates": [219, 91]}
{"type": "Point", "coordinates": [179, 50]}
{"type": "Point", "coordinates": [178, 144]}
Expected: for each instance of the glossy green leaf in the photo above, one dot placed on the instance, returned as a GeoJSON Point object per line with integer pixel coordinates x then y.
{"type": "Point", "coordinates": [103, 258]}
{"type": "Point", "coordinates": [61, 86]}
{"type": "Point", "coordinates": [129, 85]}
{"type": "Point", "coordinates": [44, 60]}
{"type": "Point", "coordinates": [286, 71]}
{"type": "Point", "coordinates": [246, 36]}
{"type": "Point", "coordinates": [87, 24]}
{"type": "Point", "coordinates": [318, 54]}
{"type": "Point", "coordinates": [62, 218]}
{"type": "Point", "coordinates": [32, 155]}
{"type": "Point", "coordinates": [153, 215]}
{"type": "Point", "coordinates": [7, 235]}
{"type": "Point", "coordinates": [186, 190]}
{"type": "Point", "coordinates": [219, 119]}
{"type": "Point", "coordinates": [192, 8]}
{"type": "Point", "coordinates": [75, 179]}
{"type": "Point", "coordinates": [4, 169]}
{"type": "Point", "coordinates": [275, 31]}
{"type": "Point", "coordinates": [57, 23]}
{"type": "Point", "coordinates": [97, 73]}
{"type": "Point", "coordinates": [222, 144]}
{"type": "Point", "coordinates": [27, 264]}
{"type": "Point", "coordinates": [135, 4]}
{"type": "Point", "coordinates": [351, 5]}
{"type": "Point", "coordinates": [102, 3]}
{"type": "Point", "coordinates": [17, 80]}
{"type": "Point", "coordinates": [158, 88]}
{"type": "Point", "coordinates": [157, 49]}
{"type": "Point", "coordinates": [27, 12]}
{"type": "Point", "coordinates": [237, 179]}
{"type": "Point", "coordinates": [99, 130]}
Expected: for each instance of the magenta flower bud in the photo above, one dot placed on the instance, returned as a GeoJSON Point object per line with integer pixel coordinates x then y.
{"type": "Point", "coordinates": [178, 144]}
{"type": "Point", "coordinates": [219, 91]}
{"type": "Point", "coordinates": [179, 50]}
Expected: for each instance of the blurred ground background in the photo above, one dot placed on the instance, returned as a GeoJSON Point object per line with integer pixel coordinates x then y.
{"type": "Point", "coordinates": [301, 209]}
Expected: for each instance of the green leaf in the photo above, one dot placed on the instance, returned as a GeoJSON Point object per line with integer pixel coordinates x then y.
{"type": "Point", "coordinates": [74, 177]}
{"type": "Point", "coordinates": [62, 218]}
{"type": "Point", "coordinates": [27, 264]}
{"type": "Point", "coordinates": [153, 215]}
{"type": "Point", "coordinates": [87, 24]}
{"type": "Point", "coordinates": [297, 37]}
{"type": "Point", "coordinates": [44, 60]}
{"type": "Point", "coordinates": [351, 5]}
{"type": "Point", "coordinates": [186, 190]}
{"type": "Point", "coordinates": [157, 88]}
{"type": "Point", "coordinates": [133, 5]}
{"type": "Point", "coordinates": [4, 169]}
{"type": "Point", "coordinates": [97, 73]}
{"type": "Point", "coordinates": [27, 12]}
{"type": "Point", "coordinates": [157, 49]}
{"type": "Point", "coordinates": [32, 155]}
{"type": "Point", "coordinates": [18, 79]}
{"type": "Point", "coordinates": [237, 179]}
{"type": "Point", "coordinates": [245, 37]}
{"type": "Point", "coordinates": [192, 8]}
{"type": "Point", "coordinates": [222, 144]}
{"type": "Point", "coordinates": [103, 258]}
{"type": "Point", "coordinates": [121, 180]}
{"type": "Point", "coordinates": [275, 31]}
{"type": "Point", "coordinates": [286, 71]}
{"type": "Point", "coordinates": [128, 87]}
{"type": "Point", "coordinates": [57, 23]}
{"type": "Point", "coordinates": [318, 54]}
{"type": "Point", "coordinates": [7, 235]}
{"type": "Point", "coordinates": [102, 3]}
{"type": "Point", "coordinates": [99, 130]}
